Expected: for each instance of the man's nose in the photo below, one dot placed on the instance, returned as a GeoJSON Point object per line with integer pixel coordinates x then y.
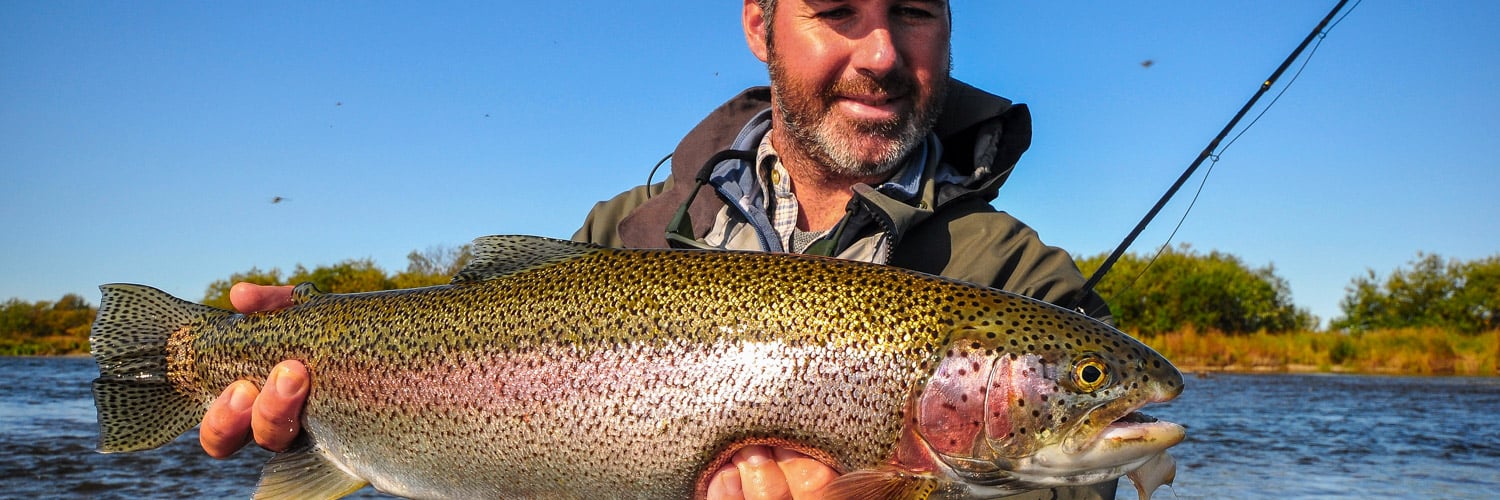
{"type": "Point", "coordinates": [875, 53]}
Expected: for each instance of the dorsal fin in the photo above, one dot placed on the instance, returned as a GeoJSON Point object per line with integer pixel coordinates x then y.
{"type": "Point", "coordinates": [495, 256]}
{"type": "Point", "coordinates": [305, 292]}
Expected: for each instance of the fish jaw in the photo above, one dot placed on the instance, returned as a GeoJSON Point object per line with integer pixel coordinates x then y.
{"type": "Point", "coordinates": [1122, 447]}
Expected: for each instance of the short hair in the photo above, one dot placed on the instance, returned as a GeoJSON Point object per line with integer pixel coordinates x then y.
{"type": "Point", "coordinates": [769, 6]}
{"type": "Point", "coordinates": [768, 12]}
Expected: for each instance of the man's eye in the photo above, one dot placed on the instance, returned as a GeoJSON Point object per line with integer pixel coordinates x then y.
{"type": "Point", "coordinates": [834, 14]}
{"type": "Point", "coordinates": [911, 12]}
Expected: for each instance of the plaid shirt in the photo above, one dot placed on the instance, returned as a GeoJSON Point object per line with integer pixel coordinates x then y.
{"type": "Point", "coordinates": [781, 203]}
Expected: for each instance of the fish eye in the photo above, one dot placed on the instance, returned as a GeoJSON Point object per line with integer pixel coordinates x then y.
{"type": "Point", "coordinates": [1090, 374]}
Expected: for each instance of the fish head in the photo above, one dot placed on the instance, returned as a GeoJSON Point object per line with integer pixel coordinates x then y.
{"type": "Point", "coordinates": [1042, 397]}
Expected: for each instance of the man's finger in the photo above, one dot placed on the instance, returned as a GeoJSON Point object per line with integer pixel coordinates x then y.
{"type": "Point", "coordinates": [805, 476]}
{"type": "Point", "coordinates": [725, 484]}
{"type": "Point", "coordinates": [277, 417]}
{"type": "Point", "coordinates": [250, 298]}
{"type": "Point", "coordinates": [226, 426]}
{"type": "Point", "coordinates": [760, 477]}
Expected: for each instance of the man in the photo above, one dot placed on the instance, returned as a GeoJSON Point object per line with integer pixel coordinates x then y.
{"type": "Point", "coordinates": [862, 148]}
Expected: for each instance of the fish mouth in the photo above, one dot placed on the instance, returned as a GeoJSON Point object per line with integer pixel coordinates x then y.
{"type": "Point", "coordinates": [1130, 433]}
{"type": "Point", "coordinates": [1126, 424]}
{"type": "Point", "coordinates": [1137, 417]}
{"type": "Point", "coordinates": [1118, 448]}
{"type": "Point", "coordinates": [1137, 433]}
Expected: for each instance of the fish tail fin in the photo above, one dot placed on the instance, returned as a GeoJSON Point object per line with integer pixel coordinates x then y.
{"type": "Point", "coordinates": [139, 407]}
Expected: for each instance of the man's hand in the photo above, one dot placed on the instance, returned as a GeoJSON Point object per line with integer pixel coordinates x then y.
{"type": "Point", "coordinates": [273, 414]}
{"type": "Point", "coordinates": [766, 473]}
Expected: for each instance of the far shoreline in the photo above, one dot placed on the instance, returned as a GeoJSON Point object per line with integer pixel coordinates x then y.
{"type": "Point", "coordinates": [1203, 371]}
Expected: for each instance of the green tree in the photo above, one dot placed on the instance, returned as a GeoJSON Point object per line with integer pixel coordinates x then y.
{"type": "Point", "coordinates": [1183, 288]}
{"type": "Point", "coordinates": [435, 266]}
{"type": "Point", "coordinates": [1432, 292]}
{"type": "Point", "coordinates": [45, 327]}
{"type": "Point", "coordinates": [62, 327]}
{"type": "Point", "coordinates": [1476, 303]}
{"type": "Point", "coordinates": [15, 318]}
{"type": "Point", "coordinates": [349, 276]}
{"type": "Point", "coordinates": [69, 316]}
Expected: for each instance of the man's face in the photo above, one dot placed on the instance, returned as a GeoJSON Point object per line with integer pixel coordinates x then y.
{"type": "Point", "coordinates": [857, 84]}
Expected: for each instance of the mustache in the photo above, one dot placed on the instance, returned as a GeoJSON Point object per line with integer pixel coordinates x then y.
{"type": "Point", "coordinates": [893, 84]}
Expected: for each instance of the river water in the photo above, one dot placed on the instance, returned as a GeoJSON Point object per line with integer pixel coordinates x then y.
{"type": "Point", "coordinates": [1249, 436]}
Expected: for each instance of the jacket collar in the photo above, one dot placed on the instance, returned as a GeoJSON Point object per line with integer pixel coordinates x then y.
{"type": "Point", "coordinates": [983, 135]}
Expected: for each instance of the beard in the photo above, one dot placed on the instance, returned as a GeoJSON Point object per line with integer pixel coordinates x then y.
{"type": "Point", "coordinates": [860, 148]}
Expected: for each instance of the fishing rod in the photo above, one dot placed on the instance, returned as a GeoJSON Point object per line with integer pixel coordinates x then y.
{"type": "Point", "coordinates": [1208, 152]}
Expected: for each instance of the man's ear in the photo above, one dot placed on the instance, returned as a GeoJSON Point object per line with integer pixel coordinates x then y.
{"type": "Point", "coordinates": [755, 30]}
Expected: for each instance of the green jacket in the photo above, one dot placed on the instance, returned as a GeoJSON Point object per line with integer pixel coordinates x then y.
{"type": "Point", "coordinates": [949, 230]}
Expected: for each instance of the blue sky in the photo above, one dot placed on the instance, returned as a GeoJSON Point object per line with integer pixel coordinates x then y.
{"type": "Point", "coordinates": [145, 141]}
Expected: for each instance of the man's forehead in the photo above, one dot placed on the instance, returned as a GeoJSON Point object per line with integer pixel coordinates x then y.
{"type": "Point", "coordinates": [817, 3]}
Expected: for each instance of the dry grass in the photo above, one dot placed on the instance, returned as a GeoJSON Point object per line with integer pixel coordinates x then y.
{"type": "Point", "coordinates": [1416, 351]}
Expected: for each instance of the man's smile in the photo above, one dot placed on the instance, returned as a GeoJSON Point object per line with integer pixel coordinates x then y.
{"type": "Point", "coordinates": [871, 107]}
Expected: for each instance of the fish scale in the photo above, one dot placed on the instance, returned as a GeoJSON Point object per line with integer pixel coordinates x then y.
{"type": "Point", "coordinates": [555, 369]}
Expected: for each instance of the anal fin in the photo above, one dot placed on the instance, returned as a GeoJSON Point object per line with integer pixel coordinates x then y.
{"type": "Point", "coordinates": [305, 473]}
{"type": "Point", "coordinates": [883, 483]}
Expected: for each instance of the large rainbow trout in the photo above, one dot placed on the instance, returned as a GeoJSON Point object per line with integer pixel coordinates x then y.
{"type": "Point", "coordinates": [560, 370]}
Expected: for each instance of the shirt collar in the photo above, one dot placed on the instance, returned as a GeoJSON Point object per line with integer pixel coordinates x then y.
{"type": "Point", "coordinates": [904, 185]}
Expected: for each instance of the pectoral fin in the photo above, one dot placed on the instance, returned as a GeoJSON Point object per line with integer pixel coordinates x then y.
{"type": "Point", "coordinates": [1160, 470]}
{"type": "Point", "coordinates": [305, 473]}
{"type": "Point", "coordinates": [884, 483]}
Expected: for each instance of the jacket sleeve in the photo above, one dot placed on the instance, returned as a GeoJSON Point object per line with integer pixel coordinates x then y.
{"type": "Point", "coordinates": [601, 226]}
{"type": "Point", "coordinates": [981, 245]}
{"type": "Point", "coordinates": [1035, 269]}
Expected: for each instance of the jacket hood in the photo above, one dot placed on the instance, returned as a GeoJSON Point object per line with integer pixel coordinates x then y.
{"type": "Point", "coordinates": [983, 135]}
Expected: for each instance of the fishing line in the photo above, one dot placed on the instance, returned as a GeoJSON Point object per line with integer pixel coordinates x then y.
{"type": "Point", "coordinates": [1214, 158]}
{"type": "Point", "coordinates": [1318, 32]}
{"type": "Point", "coordinates": [652, 174]}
